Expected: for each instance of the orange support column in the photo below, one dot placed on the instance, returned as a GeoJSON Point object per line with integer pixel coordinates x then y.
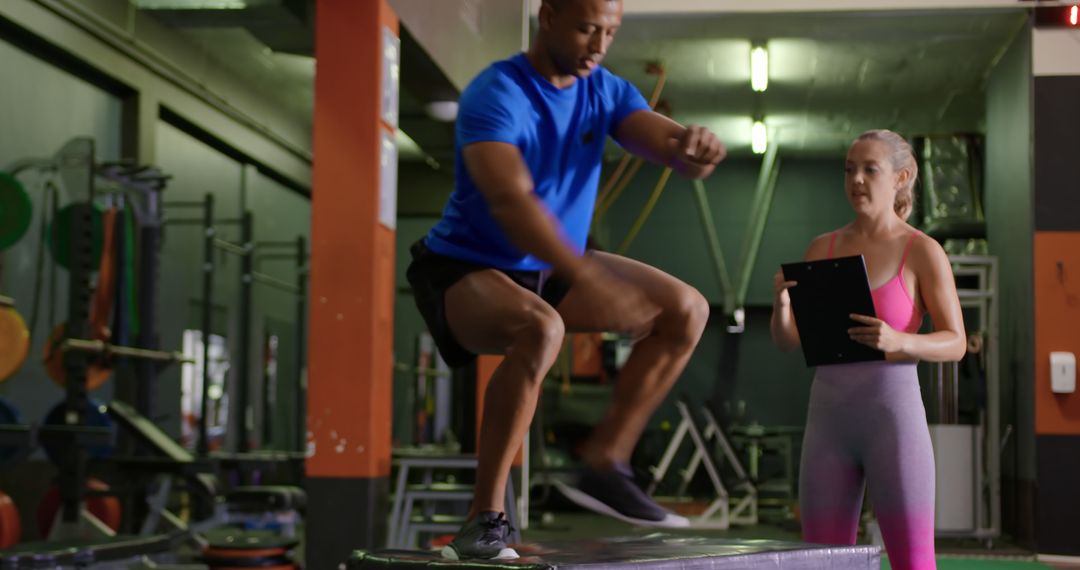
{"type": "Point", "coordinates": [352, 279]}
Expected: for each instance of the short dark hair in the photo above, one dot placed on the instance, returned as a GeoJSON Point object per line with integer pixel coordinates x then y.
{"type": "Point", "coordinates": [557, 4]}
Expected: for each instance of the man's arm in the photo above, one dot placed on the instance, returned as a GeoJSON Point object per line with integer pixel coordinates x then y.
{"type": "Point", "coordinates": [691, 151]}
{"type": "Point", "coordinates": [502, 177]}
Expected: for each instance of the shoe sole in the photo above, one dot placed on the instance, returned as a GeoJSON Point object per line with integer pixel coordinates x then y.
{"type": "Point", "coordinates": [586, 501]}
{"type": "Point", "coordinates": [449, 553]}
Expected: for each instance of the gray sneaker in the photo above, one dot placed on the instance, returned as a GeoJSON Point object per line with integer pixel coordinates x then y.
{"type": "Point", "coordinates": [482, 537]}
{"type": "Point", "coordinates": [613, 493]}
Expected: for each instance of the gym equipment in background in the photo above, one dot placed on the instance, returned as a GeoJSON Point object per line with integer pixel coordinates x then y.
{"type": "Point", "coordinates": [10, 525]}
{"type": "Point", "coordinates": [250, 252]}
{"type": "Point", "coordinates": [724, 510]}
{"type": "Point", "coordinates": [14, 337]}
{"type": "Point", "coordinates": [72, 437]}
{"type": "Point", "coordinates": [15, 444]}
{"type": "Point", "coordinates": [77, 233]}
{"type": "Point", "coordinates": [212, 243]}
{"type": "Point", "coordinates": [77, 437]}
{"type": "Point", "coordinates": [950, 168]}
{"type": "Point", "coordinates": [246, 551]}
{"type": "Point", "coordinates": [60, 235]}
{"type": "Point", "coordinates": [968, 448]}
{"type": "Point", "coordinates": [432, 395]}
{"type": "Point", "coordinates": [431, 491]}
{"type": "Point", "coordinates": [103, 506]}
{"type": "Point", "coordinates": [279, 250]}
{"type": "Point", "coordinates": [169, 464]}
{"type": "Point", "coordinates": [93, 415]}
{"type": "Point", "coordinates": [16, 439]}
{"type": "Point", "coordinates": [104, 255]}
{"type": "Point", "coordinates": [120, 552]}
{"type": "Point", "coordinates": [16, 210]}
{"type": "Point", "coordinates": [97, 373]}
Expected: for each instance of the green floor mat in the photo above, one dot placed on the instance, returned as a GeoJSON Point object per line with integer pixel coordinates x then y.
{"type": "Point", "coordinates": [980, 564]}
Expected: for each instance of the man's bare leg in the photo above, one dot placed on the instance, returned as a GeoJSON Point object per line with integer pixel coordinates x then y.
{"type": "Point", "coordinates": [490, 314]}
{"type": "Point", "coordinates": [654, 365]}
{"type": "Point", "coordinates": [656, 361]}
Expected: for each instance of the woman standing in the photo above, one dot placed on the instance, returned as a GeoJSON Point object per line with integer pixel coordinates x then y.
{"type": "Point", "coordinates": [866, 421]}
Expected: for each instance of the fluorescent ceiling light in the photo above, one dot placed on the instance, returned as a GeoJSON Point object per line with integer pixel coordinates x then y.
{"type": "Point", "coordinates": [191, 4]}
{"type": "Point", "coordinates": [759, 138]}
{"type": "Point", "coordinates": [759, 69]}
{"type": "Point", "coordinates": [444, 111]}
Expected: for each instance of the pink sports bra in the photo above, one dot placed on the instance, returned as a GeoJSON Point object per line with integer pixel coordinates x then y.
{"type": "Point", "coordinates": [892, 301]}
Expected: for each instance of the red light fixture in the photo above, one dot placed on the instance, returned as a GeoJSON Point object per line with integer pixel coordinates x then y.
{"type": "Point", "coordinates": [1057, 16]}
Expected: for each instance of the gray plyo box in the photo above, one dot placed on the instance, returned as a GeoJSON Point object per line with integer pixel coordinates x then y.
{"type": "Point", "coordinates": [653, 552]}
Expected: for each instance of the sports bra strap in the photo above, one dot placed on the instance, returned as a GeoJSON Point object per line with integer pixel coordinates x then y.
{"type": "Point", "coordinates": [907, 248]}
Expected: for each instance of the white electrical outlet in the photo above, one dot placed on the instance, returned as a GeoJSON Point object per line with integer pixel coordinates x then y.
{"type": "Point", "coordinates": [1062, 372]}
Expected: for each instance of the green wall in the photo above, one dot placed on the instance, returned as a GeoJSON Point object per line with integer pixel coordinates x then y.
{"type": "Point", "coordinates": [1010, 224]}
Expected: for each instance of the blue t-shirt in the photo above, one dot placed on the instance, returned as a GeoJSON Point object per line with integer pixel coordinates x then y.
{"type": "Point", "coordinates": [561, 135]}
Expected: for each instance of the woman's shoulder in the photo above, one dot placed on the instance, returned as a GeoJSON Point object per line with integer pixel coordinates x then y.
{"type": "Point", "coordinates": [923, 242]}
{"type": "Point", "coordinates": [925, 251]}
{"type": "Point", "coordinates": [819, 246]}
{"type": "Point", "coordinates": [823, 238]}
{"type": "Point", "coordinates": [832, 234]}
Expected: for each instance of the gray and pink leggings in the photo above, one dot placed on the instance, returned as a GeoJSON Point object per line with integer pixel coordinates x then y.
{"type": "Point", "coordinates": [866, 424]}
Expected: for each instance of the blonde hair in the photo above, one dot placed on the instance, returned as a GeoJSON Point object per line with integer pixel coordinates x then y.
{"type": "Point", "coordinates": [902, 157]}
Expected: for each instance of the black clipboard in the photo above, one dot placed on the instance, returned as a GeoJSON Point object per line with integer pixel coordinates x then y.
{"type": "Point", "coordinates": [828, 291]}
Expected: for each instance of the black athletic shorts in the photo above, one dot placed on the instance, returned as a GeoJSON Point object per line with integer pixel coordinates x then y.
{"type": "Point", "coordinates": [431, 274]}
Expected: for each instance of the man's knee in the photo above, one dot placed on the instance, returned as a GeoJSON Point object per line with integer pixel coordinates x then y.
{"type": "Point", "coordinates": [539, 338]}
{"type": "Point", "coordinates": [685, 318]}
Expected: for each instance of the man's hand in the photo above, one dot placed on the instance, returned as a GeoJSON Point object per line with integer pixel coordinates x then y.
{"type": "Point", "coordinates": [700, 146]}
{"type": "Point", "coordinates": [692, 151]}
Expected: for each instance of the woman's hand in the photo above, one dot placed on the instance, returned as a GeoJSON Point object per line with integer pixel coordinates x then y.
{"type": "Point", "coordinates": [876, 333]}
{"type": "Point", "coordinates": [782, 323]}
{"type": "Point", "coordinates": [781, 297]}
